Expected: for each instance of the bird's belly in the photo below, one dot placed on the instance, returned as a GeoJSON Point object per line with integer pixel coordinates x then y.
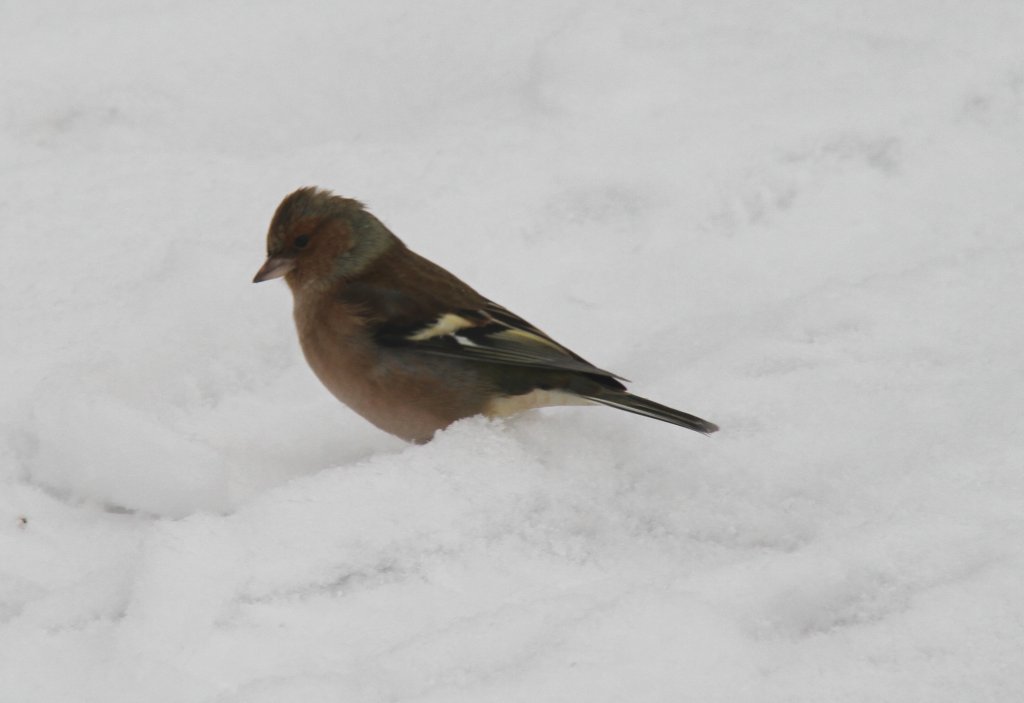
{"type": "Point", "coordinates": [410, 398]}
{"type": "Point", "coordinates": [503, 406]}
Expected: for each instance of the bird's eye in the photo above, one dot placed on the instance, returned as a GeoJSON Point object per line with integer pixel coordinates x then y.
{"type": "Point", "coordinates": [301, 241]}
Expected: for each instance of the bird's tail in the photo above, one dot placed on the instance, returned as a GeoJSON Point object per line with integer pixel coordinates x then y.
{"type": "Point", "coordinates": [648, 408]}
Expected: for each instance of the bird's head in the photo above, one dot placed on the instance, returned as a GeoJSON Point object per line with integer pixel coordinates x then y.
{"type": "Point", "coordinates": [317, 238]}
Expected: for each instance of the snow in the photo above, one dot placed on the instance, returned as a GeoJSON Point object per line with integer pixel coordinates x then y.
{"type": "Point", "coordinates": [802, 221]}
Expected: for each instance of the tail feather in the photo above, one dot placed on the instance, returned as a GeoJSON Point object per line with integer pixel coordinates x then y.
{"type": "Point", "coordinates": [648, 408]}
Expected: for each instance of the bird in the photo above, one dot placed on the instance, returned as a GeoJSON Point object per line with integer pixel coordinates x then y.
{"type": "Point", "coordinates": [408, 345]}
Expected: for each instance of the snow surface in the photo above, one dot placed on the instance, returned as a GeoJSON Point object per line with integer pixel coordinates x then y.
{"type": "Point", "coordinates": [801, 220]}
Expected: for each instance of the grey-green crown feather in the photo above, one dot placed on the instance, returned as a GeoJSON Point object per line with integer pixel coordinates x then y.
{"type": "Point", "coordinates": [371, 239]}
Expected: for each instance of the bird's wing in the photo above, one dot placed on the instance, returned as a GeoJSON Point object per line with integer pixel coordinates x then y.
{"type": "Point", "coordinates": [488, 333]}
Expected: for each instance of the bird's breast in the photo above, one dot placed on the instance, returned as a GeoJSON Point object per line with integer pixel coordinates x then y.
{"type": "Point", "coordinates": [408, 394]}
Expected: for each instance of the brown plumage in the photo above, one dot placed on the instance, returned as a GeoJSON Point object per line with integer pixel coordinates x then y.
{"type": "Point", "coordinates": [409, 346]}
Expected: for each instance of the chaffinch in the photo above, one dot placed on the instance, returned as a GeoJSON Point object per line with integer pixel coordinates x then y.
{"type": "Point", "coordinates": [409, 346]}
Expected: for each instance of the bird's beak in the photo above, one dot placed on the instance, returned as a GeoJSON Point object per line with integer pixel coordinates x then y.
{"type": "Point", "coordinates": [274, 267]}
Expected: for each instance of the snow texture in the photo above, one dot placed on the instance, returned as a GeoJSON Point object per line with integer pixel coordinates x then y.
{"type": "Point", "coordinates": [801, 220]}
